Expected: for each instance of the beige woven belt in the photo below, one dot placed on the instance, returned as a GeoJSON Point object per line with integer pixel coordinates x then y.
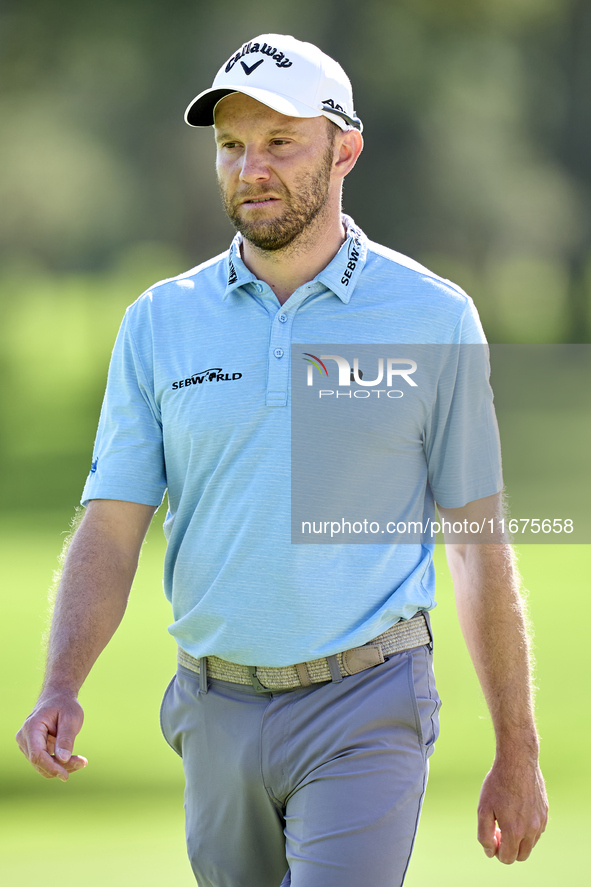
{"type": "Point", "coordinates": [405, 635]}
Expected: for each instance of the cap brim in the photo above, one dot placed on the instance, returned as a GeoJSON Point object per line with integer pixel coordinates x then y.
{"type": "Point", "coordinates": [201, 110]}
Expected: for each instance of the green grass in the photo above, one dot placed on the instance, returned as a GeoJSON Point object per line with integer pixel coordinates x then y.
{"type": "Point", "coordinates": [136, 840]}
{"type": "Point", "coordinates": [120, 821]}
{"type": "Point", "coordinates": [122, 841]}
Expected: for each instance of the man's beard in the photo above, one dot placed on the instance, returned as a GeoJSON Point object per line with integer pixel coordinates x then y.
{"type": "Point", "coordinates": [302, 206]}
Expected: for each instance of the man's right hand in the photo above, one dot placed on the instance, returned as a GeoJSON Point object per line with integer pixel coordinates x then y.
{"type": "Point", "coordinates": [47, 737]}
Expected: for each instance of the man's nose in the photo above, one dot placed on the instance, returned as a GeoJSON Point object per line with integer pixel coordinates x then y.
{"type": "Point", "coordinates": [254, 166]}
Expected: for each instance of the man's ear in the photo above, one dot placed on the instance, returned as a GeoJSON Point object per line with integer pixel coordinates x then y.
{"type": "Point", "coordinates": [348, 147]}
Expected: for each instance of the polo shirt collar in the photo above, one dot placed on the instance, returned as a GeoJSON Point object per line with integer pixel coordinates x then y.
{"type": "Point", "coordinates": [340, 275]}
{"type": "Point", "coordinates": [238, 273]}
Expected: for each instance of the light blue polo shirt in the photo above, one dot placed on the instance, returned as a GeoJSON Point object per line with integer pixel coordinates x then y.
{"type": "Point", "coordinates": [198, 402]}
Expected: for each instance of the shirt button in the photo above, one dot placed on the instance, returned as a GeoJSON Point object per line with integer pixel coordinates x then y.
{"type": "Point", "coordinates": [278, 353]}
{"type": "Point", "coordinates": [259, 287]}
{"type": "Point", "coordinates": [282, 318]}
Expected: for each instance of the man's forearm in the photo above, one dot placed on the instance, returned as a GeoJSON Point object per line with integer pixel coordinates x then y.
{"type": "Point", "coordinates": [493, 622]}
{"type": "Point", "coordinates": [91, 600]}
{"type": "Point", "coordinates": [513, 808]}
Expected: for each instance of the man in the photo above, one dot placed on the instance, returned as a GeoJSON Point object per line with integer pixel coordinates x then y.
{"type": "Point", "coordinates": [304, 706]}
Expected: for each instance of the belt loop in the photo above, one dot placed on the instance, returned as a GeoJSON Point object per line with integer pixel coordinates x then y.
{"type": "Point", "coordinates": [335, 671]}
{"type": "Point", "coordinates": [203, 674]}
{"type": "Point", "coordinates": [252, 673]}
{"type": "Point", "coordinates": [427, 618]}
{"type": "Point", "coordinates": [303, 674]}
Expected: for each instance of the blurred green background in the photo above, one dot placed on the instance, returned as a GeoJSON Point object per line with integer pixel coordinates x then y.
{"type": "Point", "coordinates": [477, 121]}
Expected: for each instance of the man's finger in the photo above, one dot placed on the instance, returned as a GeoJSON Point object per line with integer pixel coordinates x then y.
{"type": "Point", "coordinates": [508, 846]}
{"type": "Point", "coordinates": [487, 832]}
{"type": "Point", "coordinates": [63, 752]}
{"type": "Point", "coordinates": [530, 840]}
{"type": "Point", "coordinates": [46, 764]}
{"type": "Point", "coordinates": [75, 762]}
{"type": "Point", "coordinates": [519, 837]}
{"type": "Point", "coordinates": [40, 757]}
{"type": "Point", "coordinates": [525, 848]}
{"type": "Point", "coordinates": [68, 728]}
{"type": "Point", "coordinates": [497, 839]}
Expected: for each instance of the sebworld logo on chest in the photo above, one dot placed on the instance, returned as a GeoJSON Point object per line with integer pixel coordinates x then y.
{"type": "Point", "coordinates": [213, 374]}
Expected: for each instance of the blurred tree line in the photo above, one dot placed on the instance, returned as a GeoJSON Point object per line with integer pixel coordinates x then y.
{"type": "Point", "coordinates": [477, 119]}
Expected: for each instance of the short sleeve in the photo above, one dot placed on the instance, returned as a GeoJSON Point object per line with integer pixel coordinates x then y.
{"type": "Point", "coordinates": [128, 458]}
{"type": "Point", "coordinates": [462, 443]}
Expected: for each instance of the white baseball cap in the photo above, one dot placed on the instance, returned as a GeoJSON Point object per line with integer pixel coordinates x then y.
{"type": "Point", "coordinates": [292, 77]}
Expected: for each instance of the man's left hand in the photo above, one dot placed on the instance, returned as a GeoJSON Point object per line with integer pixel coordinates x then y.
{"type": "Point", "coordinates": [513, 809]}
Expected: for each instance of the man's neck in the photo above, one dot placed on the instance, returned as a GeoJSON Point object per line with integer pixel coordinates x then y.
{"type": "Point", "coordinates": [287, 269]}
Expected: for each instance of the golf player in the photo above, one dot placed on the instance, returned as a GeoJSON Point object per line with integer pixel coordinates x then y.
{"type": "Point", "coordinates": [304, 706]}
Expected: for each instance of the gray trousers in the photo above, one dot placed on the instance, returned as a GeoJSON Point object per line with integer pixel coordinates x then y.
{"type": "Point", "coordinates": [317, 787]}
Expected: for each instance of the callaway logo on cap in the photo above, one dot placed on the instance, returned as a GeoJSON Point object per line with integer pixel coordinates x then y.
{"type": "Point", "coordinates": [292, 77]}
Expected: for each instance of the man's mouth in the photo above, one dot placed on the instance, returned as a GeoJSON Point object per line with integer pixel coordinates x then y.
{"type": "Point", "coordinates": [258, 201]}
